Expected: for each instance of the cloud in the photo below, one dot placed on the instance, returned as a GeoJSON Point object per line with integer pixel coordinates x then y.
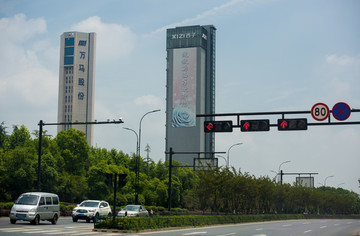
{"type": "Point", "coordinates": [149, 100]}
{"type": "Point", "coordinates": [204, 15]}
{"type": "Point", "coordinates": [23, 79]}
{"type": "Point", "coordinates": [342, 60]}
{"type": "Point", "coordinates": [113, 40]}
{"type": "Point", "coordinates": [18, 29]}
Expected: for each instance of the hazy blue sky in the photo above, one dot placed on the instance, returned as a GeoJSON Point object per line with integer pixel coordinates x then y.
{"type": "Point", "coordinates": [275, 55]}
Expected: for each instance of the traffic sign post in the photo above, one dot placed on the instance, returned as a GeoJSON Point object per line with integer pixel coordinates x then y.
{"type": "Point", "coordinates": [320, 111]}
{"type": "Point", "coordinates": [255, 125]}
{"type": "Point", "coordinates": [341, 111]}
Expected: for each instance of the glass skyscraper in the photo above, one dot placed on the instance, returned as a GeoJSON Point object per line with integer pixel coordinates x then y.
{"type": "Point", "coordinates": [190, 90]}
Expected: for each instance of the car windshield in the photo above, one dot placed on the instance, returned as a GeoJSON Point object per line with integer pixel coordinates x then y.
{"type": "Point", "coordinates": [27, 200]}
{"type": "Point", "coordinates": [131, 208]}
{"type": "Point", "coordinates": [89, 204]}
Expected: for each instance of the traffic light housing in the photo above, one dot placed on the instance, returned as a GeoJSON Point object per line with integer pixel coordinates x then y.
{"type": "Point", "coordinates": [255, 125]}
{"type": "Point", "coordinates": [218, 126]}
{"type": "Point", "coordinates": [292, 124]}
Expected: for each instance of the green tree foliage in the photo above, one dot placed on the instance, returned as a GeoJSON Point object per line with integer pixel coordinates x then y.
{"type": "Point", "coordinates": [74, 150]}
{"type": "Point", "coordinates": [75, 171]}
{"type": "Point", "coordinates": [19, 137]}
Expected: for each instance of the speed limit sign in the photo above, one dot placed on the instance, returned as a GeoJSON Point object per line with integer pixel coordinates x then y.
{"type": "Point", "coordinates": [320, 111]}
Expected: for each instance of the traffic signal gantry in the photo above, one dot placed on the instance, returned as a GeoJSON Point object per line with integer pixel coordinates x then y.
{"type": "Point", "coordinates": [320, 112]}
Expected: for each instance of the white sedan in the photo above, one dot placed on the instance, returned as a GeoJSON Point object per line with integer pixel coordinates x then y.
{"type": "Point", "coordinates": [133, 210]}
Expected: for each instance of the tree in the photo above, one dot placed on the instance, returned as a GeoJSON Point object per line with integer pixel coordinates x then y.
{"type": "Point", "coordinates": [74, 149]}
{"type": "Point", "coordinates": [19, 137]}
{"type": "Point", "coordinates": [3, 137]}
{"type": "Point", "coordinates": [20, 172]}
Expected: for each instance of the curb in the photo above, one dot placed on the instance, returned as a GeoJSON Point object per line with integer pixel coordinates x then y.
{"type": "Point", "coordinates": [107, 231]}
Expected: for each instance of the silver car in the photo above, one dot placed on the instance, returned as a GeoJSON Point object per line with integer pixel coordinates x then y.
{"type": "Point", "coordinates": [133, 210]}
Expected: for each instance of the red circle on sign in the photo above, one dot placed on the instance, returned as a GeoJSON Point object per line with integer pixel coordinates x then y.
{"type": "Point", "coordinates": [320, 111]}
{"type": "Point", "coordinates": [341, 111]}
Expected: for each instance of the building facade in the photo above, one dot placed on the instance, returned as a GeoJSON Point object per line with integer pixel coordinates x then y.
{"type": "Point", "coordinates": [190, 90]}
{"type": "Point", "coordinates": [77, 82]}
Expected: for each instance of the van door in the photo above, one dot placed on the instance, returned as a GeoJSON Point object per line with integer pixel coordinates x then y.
{"type": "Point", "coordinates": [49, 208]}
{"type": "Point", "coordinates": [42, 208]}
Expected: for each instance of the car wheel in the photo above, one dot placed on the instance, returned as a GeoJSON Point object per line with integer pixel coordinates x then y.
{"type": "Point", "coordinates": [12, 221]}
{"type": "Point", "coordinates": [87, 220]}
{"type": "Point", "coordinates": [96, 217]}
{"type": "Point", "coordinates": [75, 219]}
{"type": "Point", "coordinates": [54, 219]}
{"type": "Point", "coordinates": [36, 221]}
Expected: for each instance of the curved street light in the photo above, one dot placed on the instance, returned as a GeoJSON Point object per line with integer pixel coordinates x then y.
{"type": "Point", "coordinates": [222, 158]}
{"type": "Point", "coordinates": [326, 179]}
{"type": "Point", "coordinates": [228, 161]}
{"type": "Point", "coordinates": [280, 176]}
{"type": "Point", "coordinates": [137, 139]}
{"type": "Point", "coordinates": [138, 158]}
{"type": "Point", "coordinates": [140, 127]}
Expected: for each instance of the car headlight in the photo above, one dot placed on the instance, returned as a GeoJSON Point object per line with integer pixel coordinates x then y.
{"type": "Point", "coordinates": [32, 210]}
{"type": "Point", "coordinates": [91, 210]}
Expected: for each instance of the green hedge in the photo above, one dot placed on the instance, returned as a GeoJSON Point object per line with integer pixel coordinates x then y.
{"type": "Point", "coordinates": [141, 223]}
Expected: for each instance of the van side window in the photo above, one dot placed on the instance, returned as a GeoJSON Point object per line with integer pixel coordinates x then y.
{"type": "Point", "coordinates": [55, 200]}
{"type": "Point", "coordinates": [48, 200]}
{"type": "Point", "coordinates": [42, 201]}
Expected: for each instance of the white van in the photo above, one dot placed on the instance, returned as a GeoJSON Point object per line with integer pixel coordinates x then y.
{"type": "Point", "coordinates": [36, 206]}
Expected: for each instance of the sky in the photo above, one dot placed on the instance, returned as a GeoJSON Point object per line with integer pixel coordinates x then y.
{"type": "Point", "coordinates": [271, 55]}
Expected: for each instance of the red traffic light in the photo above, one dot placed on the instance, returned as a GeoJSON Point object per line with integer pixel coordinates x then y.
{"type": "Point", "coordinates": [292, 124]}
{"type": "Point", "coordinates": [255, 125]}
{"type": "Point", "coordinates": [218, 126]}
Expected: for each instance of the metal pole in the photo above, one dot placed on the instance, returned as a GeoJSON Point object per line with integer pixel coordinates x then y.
{"type": "Point", "coordinates": [138, 157]}
{"type": "Point", "coordinates": [114, 211]}
{"type": "Point", "coordinates": [39, 154]}
{"type": "Point", "coordinates": [136, 165]}
{"type": "Point", "coordinates": [170, 172]}
{"type": "Point", "coordinates": [228, 158]}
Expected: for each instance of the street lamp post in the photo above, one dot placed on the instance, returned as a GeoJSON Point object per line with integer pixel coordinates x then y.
{"type": "Point", "coordinates": [326, 179]}
{"type": "Point", "coordinates": [138, 157]}
{"type": "Point", "coordinates": [280, 178]}
{"type": "Point", "coordinates": [140, 127]}
{"type": "Point", "coordinates": [137, 139]}
{"type": "Point", "coordinates": [228, 161]}
{"type": "Point", "coordinates": [222, 158]}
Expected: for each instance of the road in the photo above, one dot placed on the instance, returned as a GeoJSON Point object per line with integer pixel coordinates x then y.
{"type": "Point", "coordinates": [65, 226]}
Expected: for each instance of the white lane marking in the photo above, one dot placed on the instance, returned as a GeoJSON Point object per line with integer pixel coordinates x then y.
{"type": "Point", "coordinates": [195, 233]}
{"type": "Point", "coordinates": [36, 231]}
{"type": "Point", "coordinates": [227, 234]}
{"type": "Point", "coordinates": [323, 227]}
{"type": "Point", "coordinates": [307, 231]}
{"type": "Point", "coordinates": [287, 225]}
{"type": "Point", "coordinates": [259, 229]}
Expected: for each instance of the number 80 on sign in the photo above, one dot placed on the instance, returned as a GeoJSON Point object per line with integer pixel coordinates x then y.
{"type": "Point", "coordinates": [320, 111]}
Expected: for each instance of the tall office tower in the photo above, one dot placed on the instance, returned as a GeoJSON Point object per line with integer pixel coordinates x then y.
{"type": "Point", "coordinates": [190, 90]}
{"type": "Point", "coordinates": [77, 81]}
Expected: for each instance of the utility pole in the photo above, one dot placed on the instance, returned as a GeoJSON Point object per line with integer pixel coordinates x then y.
{"type": "Point", "coordinates": [147, 150]}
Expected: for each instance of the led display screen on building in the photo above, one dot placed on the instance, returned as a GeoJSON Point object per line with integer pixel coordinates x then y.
{"type": "Point", "coordinates": [184, 88]}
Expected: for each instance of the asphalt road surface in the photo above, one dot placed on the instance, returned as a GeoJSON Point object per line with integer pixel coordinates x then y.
{"type": "Point", "coordinates": [65, 226]}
